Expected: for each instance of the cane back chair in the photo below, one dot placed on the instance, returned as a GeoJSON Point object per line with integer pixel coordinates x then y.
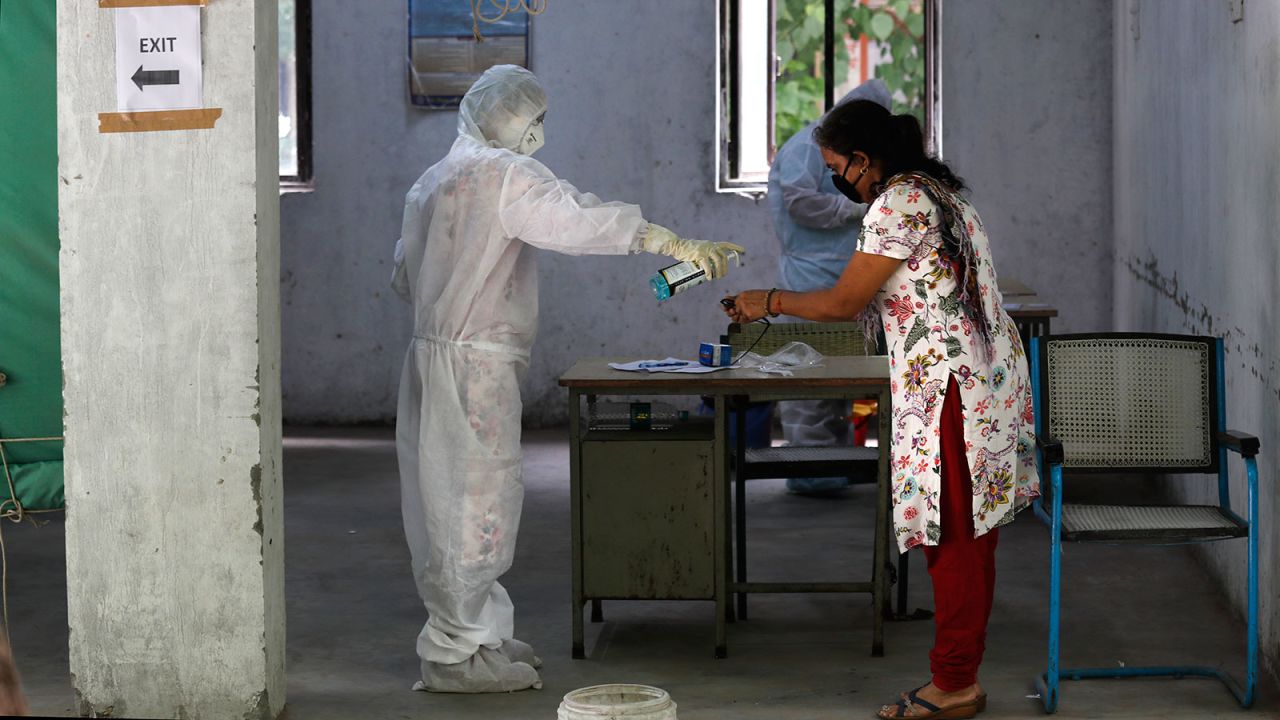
{"type": "Point", "coordinates": [1138, 405]}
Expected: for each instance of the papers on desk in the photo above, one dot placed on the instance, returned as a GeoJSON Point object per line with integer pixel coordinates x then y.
{"type": "Point", "coordinates": [1025, 306]}
{"type": "Point", "coordinates": [670, 365]}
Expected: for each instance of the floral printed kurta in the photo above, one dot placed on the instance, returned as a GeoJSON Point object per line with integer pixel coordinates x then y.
{"type": "Point", "coordinates": [930, 339]}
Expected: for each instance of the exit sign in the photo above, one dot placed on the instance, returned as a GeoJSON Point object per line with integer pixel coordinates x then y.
{"type": "Point", "coordinates": [158, 64]}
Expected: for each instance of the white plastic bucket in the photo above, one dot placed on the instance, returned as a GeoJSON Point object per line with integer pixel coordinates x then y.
{"type": "Point", "coordinates": [618, 702]}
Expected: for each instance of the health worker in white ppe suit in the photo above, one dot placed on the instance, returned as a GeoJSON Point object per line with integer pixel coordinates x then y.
{"type": "Point", "coordinates": [818, 229]}
{"type": "Point", "coordinates": [466, 262]}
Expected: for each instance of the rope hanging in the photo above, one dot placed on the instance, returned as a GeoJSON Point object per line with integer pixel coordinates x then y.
{"type": "Point", "coordinates": [503, 8]}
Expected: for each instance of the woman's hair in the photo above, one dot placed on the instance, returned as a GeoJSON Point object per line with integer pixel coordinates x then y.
{"type": "Point", "coordinates": [895, 140]}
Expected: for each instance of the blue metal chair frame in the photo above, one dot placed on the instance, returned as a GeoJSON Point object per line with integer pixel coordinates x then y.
{"type": "Point", "coordinates": [1051, 456]}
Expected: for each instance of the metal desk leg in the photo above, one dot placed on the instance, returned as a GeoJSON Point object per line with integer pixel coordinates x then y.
{"type": "Point", "coordinates": [740, 504]}
{"type": "Point", "coordinates": [722, 519]}
{"type": "Point", "coordinates": [884, 525]}
{"type": "Point", "coordinates": [1025, 330]}
{"type": "Point", "coordinates": [597, 611]}
{"type": "Point", "coordinates": [575, 515]}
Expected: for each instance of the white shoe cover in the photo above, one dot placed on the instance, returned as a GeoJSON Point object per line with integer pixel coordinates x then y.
{"type": "Point", "coordinates": [488, 671]}
{"type": "Point", "coordinates": [519, 651]}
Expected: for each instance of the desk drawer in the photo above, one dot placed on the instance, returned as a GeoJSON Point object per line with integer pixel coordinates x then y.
{"type": "Point", "coordinates": [648, 519]}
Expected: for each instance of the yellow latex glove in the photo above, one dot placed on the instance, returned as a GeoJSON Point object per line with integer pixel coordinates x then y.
{"type": "Point", "coordinates": [712, 257]}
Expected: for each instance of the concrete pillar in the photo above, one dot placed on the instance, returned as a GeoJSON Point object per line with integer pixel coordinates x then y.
{"type": "Point", "coordinates": [170, 353]}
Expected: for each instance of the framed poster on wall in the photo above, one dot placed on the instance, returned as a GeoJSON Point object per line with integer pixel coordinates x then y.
{"type": "Point", "coordinates": [444, 56]}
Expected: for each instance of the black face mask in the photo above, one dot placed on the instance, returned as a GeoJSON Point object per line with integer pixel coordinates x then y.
{"type": "Point", "coordinates": [845, 187]}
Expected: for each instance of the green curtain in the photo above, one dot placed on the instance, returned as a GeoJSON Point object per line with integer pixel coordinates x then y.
{"type": "Point", "coordinates": [30, 351]}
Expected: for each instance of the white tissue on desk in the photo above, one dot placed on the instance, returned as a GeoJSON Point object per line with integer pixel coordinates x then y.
{"type": "Point", "coordinates": [789, 357]}
{"type": "Point", "coordinates": [669, 366]}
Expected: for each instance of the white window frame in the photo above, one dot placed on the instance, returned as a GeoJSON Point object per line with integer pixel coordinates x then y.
{"type": "Point", "coordinates": [731, 150]}
{"type": "Point", "coordinates": [743, 155]}
{"type": "Point", "coordinates": [296, 93]}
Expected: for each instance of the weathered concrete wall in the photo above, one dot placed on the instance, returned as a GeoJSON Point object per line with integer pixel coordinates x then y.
{"type": "Point", "coordinates": [631, 117]}
{"type": "Point", "coordinates": [169, 267]}
{"type": "Point", "coordinates": [1027, 95]}
{"type": "Point", "coordinates": [1026, 103]}
{"type": "Point", "coordinates": [1197, 173]}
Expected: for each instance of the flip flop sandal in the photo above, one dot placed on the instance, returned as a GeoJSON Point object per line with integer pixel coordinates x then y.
{"type": "Point", "coordinates": [981, 700]}
{"type": "Point", "coordinates": [905, 695]}
{"type": "Point", "coordinates": [958, 711]}
{"type": "Point", "coordinates": [899, 709]}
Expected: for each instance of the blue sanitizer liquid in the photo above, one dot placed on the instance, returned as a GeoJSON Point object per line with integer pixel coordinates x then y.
{"type": "Point", "coordinates": [661, 288]}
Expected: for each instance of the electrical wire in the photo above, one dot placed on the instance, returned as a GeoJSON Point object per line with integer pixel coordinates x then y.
{"type": "Point", "coordinates": [764, 332]}
{"type": "Point", "coordinates": [503, 8]}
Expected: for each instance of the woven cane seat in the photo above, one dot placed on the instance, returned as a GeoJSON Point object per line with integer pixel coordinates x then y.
{"type": "Point", "coordinates": [1147, 523]}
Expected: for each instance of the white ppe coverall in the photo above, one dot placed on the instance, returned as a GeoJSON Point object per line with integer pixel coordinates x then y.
{"type": "Point", "coordinates": [818, 229]}
{"type": "Point", "coordinates": [466, 262]}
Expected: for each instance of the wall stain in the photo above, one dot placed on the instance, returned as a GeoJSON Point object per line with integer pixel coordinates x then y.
{"type": "Point", "coordinates": [255, 484]}
{"type": "Point", "coordinates": [1199, 319]}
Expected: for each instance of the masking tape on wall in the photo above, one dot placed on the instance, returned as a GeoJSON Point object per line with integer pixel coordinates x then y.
{"type": "Point", "coordinates": [158, 120]}
{"type": "Point", "coordinates": [147, 3]}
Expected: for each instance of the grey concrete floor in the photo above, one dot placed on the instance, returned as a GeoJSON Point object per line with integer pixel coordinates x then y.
{"type": "Point", "coordinates": [353, 613]}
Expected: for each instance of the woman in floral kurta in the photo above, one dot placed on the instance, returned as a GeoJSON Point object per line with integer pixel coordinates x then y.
{"type": "Point", "coordinates": [931, 340]}
{"type": "Point", "coordinates": [962, 461]}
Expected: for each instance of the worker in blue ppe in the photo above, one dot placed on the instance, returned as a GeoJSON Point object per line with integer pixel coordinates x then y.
{"type": "Point", "coordinates": [466, 261]}
{"type": "Point", "coordinates": [818, 229]}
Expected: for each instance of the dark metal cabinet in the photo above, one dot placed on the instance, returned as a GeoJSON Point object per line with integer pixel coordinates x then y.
{"type": "Point", "coordinates": [648, 514]}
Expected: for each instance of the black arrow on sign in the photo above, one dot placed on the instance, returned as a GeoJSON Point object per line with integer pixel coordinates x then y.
{"type": "Point", "coordinates": [142, 78]}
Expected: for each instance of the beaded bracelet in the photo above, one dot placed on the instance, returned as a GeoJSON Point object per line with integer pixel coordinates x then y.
{"type": "Point", "coordinates": [768, 303]}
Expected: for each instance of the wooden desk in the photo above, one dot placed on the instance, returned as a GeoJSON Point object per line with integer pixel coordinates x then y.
{"type": "Point", "coordinates": [1011, 286]}
{"type": "Point", "coordinates": [1031, 315]}
{"type": "Point", "coordinates": [1028, 311]}
{"type": "Point", "coordinates": [840, 377]}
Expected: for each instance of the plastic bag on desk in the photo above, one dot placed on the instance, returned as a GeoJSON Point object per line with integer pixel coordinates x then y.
{"type": "Point", "coordinates": [792, 356]}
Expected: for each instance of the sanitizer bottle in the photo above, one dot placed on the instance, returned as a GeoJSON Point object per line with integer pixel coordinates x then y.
{"type": "Point", "coordinates": [680, 277]}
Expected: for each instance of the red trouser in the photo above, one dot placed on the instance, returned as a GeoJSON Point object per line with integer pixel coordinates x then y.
{"type": "Point", "coordinates": [963, 568]}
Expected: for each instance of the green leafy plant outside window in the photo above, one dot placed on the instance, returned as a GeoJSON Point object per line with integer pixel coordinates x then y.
{"type": "Point", "coordinates": [897, 26]}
